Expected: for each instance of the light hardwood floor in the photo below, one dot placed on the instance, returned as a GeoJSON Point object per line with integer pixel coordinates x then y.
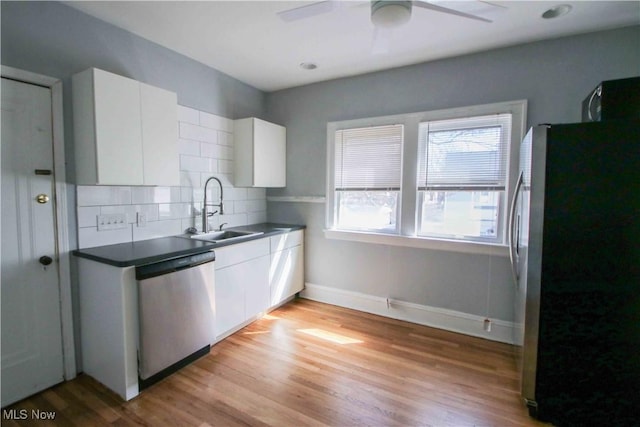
{"type": "Point", "coordinates": [314, 364]}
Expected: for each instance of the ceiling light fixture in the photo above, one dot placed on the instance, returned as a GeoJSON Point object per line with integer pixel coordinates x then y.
{"type": "Point", "coordinates": [308, 65]}
{"type": "Point", "coordinates": [390, 13]}
{"type": "Point", "coordinates": [557, 11]}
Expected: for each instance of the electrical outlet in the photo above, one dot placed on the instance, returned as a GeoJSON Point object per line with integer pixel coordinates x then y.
{"type": "Point", "coordinates": [141, 219]}
{"type": "Point", "coordinates": [487, 325]}
{"type": "Point", "coordinates": [112, 221]}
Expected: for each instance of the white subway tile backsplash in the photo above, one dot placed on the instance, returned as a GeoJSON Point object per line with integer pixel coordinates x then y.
{"type": "Point", "coordinates": [225, 138]}
{"type": "Point", "coordinates": [256, 205]}
{"type": "Point", "coordinates": [189, 179]}
{"type": "Point", "coordinates": [217, 123]}
{"type": "Point", "coordinates": [150, 211]}
{"type": "Point", "coordinates": [157, 229]}
{"type": "Point", "coordinates": [235, 193]}
{"type": "Point", "coordinates": [233, 220]}
{"type": "Point", "coordinates": [205, 150]}
{"type": "Point", "coordinates": [225, 153]}
{"type": "Point", "coordinates": [174, 211]}
{"type": "Point", "coordinates": [209, 150]}
{"type": "Point", "coordinates": [256, 193]}
{"type": "Point", "coordinates": [128, 210]}
{"type": "Point", "coordinates": [197, 194]}
{"type": "Point", "coordinates": [239, 206]}
{"type": "Point", "coordinates": [190, 222]}
{"type": "Point", "coordinates": [188, 115]}
{"type": "Point", "coordinates": [88, 216]}
{"type": "Point", "coordinates": [90, 237]}
{"type": "Point", "coordinates": [186, 194]}
{"type": "Point", "coordinates": [140, 195]}
{"type": "Point", "coordinates": [197, 133]}
{"type": "Point", "coordinates": [102, 195]}
{"type": "Point", "coordinates": [225, 166]}
{"type": "Point", "coordinates": [257, 217]}
{"type": "Point", "coordinates": [196, 164]}
{"type": "Point", "coordinates": [189, 147]}
{"type": "Point", "coordinates": [226, 179]}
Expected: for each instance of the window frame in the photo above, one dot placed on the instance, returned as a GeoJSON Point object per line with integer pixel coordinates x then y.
{"type": "Point", "coordinates": [408, 199]}
{"type": "Point", "coordinates": [477, 121]}
{"type": "Point", "coordinates": [397, 190]}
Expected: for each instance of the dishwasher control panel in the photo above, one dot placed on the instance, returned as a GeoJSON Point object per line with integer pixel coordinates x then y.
{"type": "Point", "coordinates": [167, 266]}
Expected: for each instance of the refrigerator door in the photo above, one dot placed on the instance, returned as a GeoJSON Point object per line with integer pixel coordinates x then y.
{"type": "Point", "coordinates": [533, 164]}
{"type": "Point", "coordinates": [582, 309]}
{"type": "Point", "coordinates": [526, 294]}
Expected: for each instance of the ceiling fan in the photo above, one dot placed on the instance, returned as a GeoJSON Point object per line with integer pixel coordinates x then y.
{"type": "Point", "coordinates": [389, 14]}
{"type": "Point", "coordinates": [392, 13]}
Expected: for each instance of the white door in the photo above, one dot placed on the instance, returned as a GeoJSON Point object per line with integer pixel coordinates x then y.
{"type": "Point", "coordinates": [31, 323]}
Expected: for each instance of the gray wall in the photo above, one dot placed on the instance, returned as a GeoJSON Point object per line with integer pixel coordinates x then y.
{"type": "Point", "coordinates": [554, 76]}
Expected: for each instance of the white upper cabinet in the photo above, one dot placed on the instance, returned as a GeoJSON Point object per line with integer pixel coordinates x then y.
{"type": "Point", "coordinates": [260, 153]}
{"type": "Point", "coordinates": [161, 162]}
{"type": "Point", "coordinates": [125, 131]}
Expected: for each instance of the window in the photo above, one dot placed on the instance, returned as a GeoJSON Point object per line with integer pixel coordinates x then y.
{"type": "Point", "coordinates": [367, 178]}
{"type": "Point", "coordinates": [462, 177]}
{"type": "Point", "coordinates": [435, 179]}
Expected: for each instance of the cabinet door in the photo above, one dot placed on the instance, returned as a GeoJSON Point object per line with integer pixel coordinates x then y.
{"type": "Point", "coordinates": [229, 298]}
{"type": "Point", "coordinates": [242, 291]}
{"type": "Point", "coordinates": [286, 276]}
{"type": "Point", "coordinates": [118, 134]}
{"type": "Point", "coordinates": [256, 283]}
{"type": "Point", "coordinates": [269, 151]}
{"type": "Point", "coordinates": [159, 109]}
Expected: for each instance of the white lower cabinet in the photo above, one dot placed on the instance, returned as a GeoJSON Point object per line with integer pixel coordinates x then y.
{"type": "Point", "coordinates": [242, 284]}
{"type": "Point", "coordinates": [286, 275]}
{"type": "Point", "coordinates": [229, 298]}
{"type": "Point", "coordinates": [109, 325]}
{"type": "Point", "coordinates": [254, 276]}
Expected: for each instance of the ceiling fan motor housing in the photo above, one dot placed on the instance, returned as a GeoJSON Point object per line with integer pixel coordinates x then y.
{"type": "Point", "coordinates": [390, 13]}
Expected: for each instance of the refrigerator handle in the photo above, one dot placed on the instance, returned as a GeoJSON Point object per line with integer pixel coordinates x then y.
{"type": "Point", "coordinates": [512, 218]}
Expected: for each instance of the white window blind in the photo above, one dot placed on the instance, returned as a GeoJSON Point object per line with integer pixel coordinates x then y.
{"type": "Point", "coordinates": [467, 153]}
{"type": "Point", "coordinates": [369, 159]}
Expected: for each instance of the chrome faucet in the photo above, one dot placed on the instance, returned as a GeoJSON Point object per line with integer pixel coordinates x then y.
{"type": "Point", "coordinates": [205, 214]}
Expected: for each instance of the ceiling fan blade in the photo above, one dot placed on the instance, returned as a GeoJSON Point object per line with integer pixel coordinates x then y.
{"type": "Point", "coordinates": [381, 41]}
{"type": "Point", "coordinates": [307, 11]}
{"type": "Point", "coordinates": [434, 7]}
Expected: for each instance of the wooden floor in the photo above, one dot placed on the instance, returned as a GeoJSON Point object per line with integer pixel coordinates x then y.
{"type": "Point", "coordinates": [314, 364]}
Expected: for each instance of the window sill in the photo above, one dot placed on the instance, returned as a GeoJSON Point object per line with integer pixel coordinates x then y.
{"type": "Point", "coordinates": [419, 242]}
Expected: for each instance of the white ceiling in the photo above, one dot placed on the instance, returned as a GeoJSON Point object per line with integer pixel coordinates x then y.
{"type": "Point", "coordinates": [248, 41]}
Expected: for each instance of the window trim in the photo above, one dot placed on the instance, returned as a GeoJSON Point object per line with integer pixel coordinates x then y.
{"type": "Point", "coordinates": [409, 190]}
{"type": "Point", "coordinates": [373, 188]}
{"type": "Point", "coordinates": [492, 120]}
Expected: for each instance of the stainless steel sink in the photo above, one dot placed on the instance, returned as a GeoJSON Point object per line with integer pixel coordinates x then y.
{"type": "Point", "coordinates": [225, 236]}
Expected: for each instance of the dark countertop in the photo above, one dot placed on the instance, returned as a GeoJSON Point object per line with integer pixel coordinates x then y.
{"type": "Point", "coordinates": [153, 250]}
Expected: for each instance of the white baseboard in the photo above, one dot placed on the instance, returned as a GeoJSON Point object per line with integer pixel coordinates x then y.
{"type": "Point", "coordinates": [450, 320]}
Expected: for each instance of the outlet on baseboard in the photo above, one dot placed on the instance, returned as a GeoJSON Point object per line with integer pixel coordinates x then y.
{"type": "Point", "coordinates": [112, 221]}
{"type": "Point", "coordinates": [141, 219]}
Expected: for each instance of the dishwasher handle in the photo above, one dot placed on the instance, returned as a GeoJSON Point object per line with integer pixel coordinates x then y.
{"type": "Point", "coordinates": [160, 268]}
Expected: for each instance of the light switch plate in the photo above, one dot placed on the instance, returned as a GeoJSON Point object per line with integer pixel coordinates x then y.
{"type": "Point", "coordinates": [112, 221]}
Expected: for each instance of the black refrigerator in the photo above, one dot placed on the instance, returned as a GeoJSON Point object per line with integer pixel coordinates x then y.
{"type": "Point", "coordinates": [574, 237]}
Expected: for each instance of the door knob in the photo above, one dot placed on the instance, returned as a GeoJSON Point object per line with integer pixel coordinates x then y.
{"type": "Point", "coordinates": [45, 260]}
{"type": "Point", "coordinates": [42, 198]}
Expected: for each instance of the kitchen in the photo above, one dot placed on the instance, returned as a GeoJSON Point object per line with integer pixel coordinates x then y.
{"type": "Point", "coordinates": [553, 75]}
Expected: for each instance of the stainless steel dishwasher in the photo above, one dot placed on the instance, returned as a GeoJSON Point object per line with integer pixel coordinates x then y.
{"type": "Point", "coordinates": [176, 306]}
